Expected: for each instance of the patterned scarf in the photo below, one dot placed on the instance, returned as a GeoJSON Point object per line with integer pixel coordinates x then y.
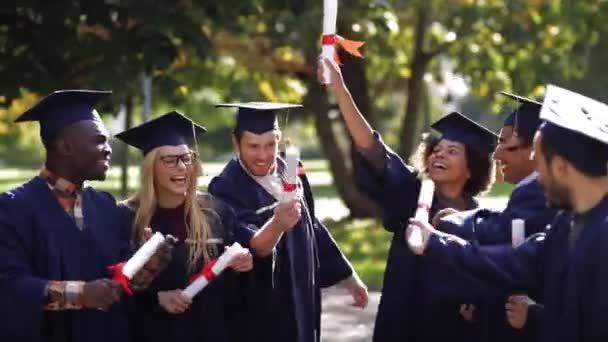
{"type": "Point", "coordinates": [67, 193]}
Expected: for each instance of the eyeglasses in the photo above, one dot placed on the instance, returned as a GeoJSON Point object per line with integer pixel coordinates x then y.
{"type": "Point", "coordinates": [171, 161]}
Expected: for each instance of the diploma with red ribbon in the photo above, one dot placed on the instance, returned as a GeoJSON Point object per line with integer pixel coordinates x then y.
{"type": "Point", "coordinates": [330, 39]}
{"type": "Point", "coordinates": [425, 200]}
{"type": "Point", "coordinates": [290, 181]}
{"type": "Point", "coordinates": [124, 272]}
{"type": "Point", "coordinates": [200, 280]}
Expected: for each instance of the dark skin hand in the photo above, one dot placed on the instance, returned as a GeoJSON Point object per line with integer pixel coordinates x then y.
{"type": "Point", "coordinates": [101, 294]}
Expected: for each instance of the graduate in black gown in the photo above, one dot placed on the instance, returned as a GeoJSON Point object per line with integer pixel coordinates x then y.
{"type": "Point", "coordinates": [58, 235]}
{"type": "Point", "coordinates": [414, 302]}
{"type": "Point", "coordinates": [567, 265]}
{"type": "Point", "coordinates": [296, 255]}
{"type": "Point", "coordinates": [493, 227]}
{"type": "Point", "coordinates": [168, 202]}
{"type": "Point", "coordinates": [527, 201]}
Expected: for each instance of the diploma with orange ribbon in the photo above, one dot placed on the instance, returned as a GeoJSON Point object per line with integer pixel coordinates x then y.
{"type": "Point", "coordinates": [330, 39]}
{"type": "Point", "coordinates": [214, 268]}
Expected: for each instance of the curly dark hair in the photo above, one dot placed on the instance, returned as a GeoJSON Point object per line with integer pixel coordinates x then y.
{"type": "Point", "coordinates": [479, 164]}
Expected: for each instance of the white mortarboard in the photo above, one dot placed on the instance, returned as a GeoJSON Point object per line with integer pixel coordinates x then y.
{"type": "Point", "coordinates": [577, 126]}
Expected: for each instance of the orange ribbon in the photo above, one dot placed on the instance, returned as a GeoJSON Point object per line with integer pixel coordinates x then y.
{"type": "Point", "coordinates": [350, 46]}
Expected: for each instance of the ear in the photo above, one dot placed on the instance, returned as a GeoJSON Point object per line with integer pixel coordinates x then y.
{"type": "Point", "coordinates": [278, 135]}
{"type": "Point", "coordinates": [64, 147]}
{"type": "Point", "coordinates": [560, 167]}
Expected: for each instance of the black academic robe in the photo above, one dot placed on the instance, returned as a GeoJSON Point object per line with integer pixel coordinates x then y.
{"type": "Point", "coordinates": [491, 227]}
{"type": "Point", "coordinates": [39, 241]}
{"type": "Point", "coordinates": [214, 313]}
{"type": "Point", "coordinates": [416, 300]}
{"type": "Point", "coordinates": [572, 280]}
{"type": "Point", "coordinates": [285, 299]}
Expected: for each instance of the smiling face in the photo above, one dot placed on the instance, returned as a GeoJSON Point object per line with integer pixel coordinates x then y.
{"type": "Point", "coordinates": [88, 149]}
{"type": "Point", "coordinates": [258, 152]}
{"type": "Point", "coordinates": [513, 158]}
{"type": "Point", "coordinates": [448, 162]}
{"type": "Point", "coordinates": [173, 170]}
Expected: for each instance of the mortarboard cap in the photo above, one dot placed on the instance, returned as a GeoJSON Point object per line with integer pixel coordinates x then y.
{"type": "Point", "coordinates": [525, 119]}
{"type": "Point", "coordinates": [457, 127]}
{"type": "Point", "coordinates": [577, 127]}
{"type": "Point", "coordinates": [257, 117]}
{"type": "Point", "coordinates": [171, 129]}
{"type": "Point", "coordinates": [63, 108]}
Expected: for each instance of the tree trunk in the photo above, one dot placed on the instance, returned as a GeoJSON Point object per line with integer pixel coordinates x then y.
{"type": "Point", "coordinates": [317, 102]}
{"type": "Point", "coordinates": [146, 92]}
{"type": "Point", "coordinates": [124, 160]}
{"type": "Point", "coordinates": [412, 119]}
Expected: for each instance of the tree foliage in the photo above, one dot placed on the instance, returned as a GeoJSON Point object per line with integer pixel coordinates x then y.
{"type": "Point", "coordinates": [203, 52]}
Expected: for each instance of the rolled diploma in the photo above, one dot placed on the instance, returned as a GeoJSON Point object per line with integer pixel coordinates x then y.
{"type": "Point", "coordinates": [425, 199]}
{"type": "Point", "coordinates": [518, 232]}
{"type": "Point", "coordinates": [330, 15]}
{"type": "Point", "coordinates": [220, 265]}
{"type": "Point", "coordinates": [292, 156]}
{"type": "Point", "coordinates": [143, 254]}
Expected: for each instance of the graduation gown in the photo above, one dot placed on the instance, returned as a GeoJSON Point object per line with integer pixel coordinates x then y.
{"type": "Point", "coordinates": [213, 315]}
{"type": "Point", "coordinates": [39, 241]}
{"type": "Point", "coordinates": [285, 299]}
{"type": "Point", "coordinates": [572, 278]}
{"type": "Point", "coordinates": [490, 227]}
{"type": "Point", "coordinates": [415, 298]}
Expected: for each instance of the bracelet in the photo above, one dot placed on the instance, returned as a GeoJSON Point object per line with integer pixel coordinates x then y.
{"type": "Point", "coordinates": [73, 294]}
{"type": "Point", "coordinates": [64, 295]}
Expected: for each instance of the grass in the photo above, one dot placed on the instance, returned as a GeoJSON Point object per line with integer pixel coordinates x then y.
{"type": "Point", "coordinates": [365, 243]}
{"type": "Point", "coordinates": [500, 190]}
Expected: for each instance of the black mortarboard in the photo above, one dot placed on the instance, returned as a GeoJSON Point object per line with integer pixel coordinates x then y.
{"type": "Point", "coordinates": [525, 119]}
{"type": "Point", "coordinates": [63, 108]}
{"type": "Point", "coordinates": [257, 117]}
{"type": "Point", "coordinates": [457, 127]}
{"type": "Point", "coordinates": [577, 127]}
{"type": "Point", "coordinates": [171, 129]}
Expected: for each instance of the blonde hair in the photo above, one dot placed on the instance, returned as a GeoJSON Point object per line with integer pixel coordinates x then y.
{"type": "Point", "coordinates": [143, 202]}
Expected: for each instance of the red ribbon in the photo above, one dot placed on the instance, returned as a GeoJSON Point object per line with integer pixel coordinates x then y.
{"type": "Point", "coordinates": [120, 277]}
{"type": "Point", "coordinates": [329, 39]}
{"type": "Point", "coordinates": [289, 187]}
{"type": "Point", "coordinates": [206, 272]}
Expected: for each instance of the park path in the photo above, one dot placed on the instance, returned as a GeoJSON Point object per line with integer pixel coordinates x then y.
{"type": "Point", "coordinates": [341, 322]}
